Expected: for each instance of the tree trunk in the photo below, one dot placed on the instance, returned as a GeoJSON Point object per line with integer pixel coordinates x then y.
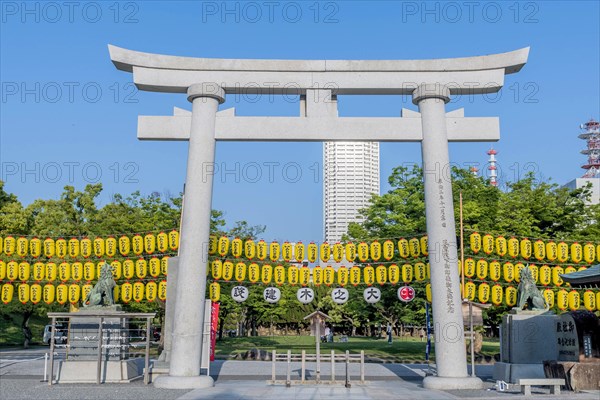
{"type": "Point", "coordinates": [25, 327]}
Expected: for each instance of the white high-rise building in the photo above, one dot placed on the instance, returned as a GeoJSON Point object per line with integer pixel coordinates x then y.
{"type": "Point", "coordinates": [351, 176]}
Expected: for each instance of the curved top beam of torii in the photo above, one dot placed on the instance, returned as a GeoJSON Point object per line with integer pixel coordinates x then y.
{"type": "Point", "coordinates": [468, 75]}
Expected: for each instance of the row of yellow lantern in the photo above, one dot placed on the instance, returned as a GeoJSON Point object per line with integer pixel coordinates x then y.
{"type": "Point", "coordinates": [538, 249]}
{"type": "Point", "coordinates": [78, 271]}
{"type": "Point", "coordinates": [266, 274]}
{"type": "Point", "coordinates": [545, 275]}
{"type": "Point", "coordinates": [99, 247]}
{"type": "Point", "coordinates": [274, 251]}
{"type": "Point", "coordinates": [563, 299]}
{"type": "Point", "coordinates": [74, 293]}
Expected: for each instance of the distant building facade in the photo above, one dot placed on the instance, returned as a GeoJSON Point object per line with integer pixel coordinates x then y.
{"type": "Point", "coordinates": [350, 177]}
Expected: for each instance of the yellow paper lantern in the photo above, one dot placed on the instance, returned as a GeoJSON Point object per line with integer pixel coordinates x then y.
{"type": "Point", "coordinates": [469, 267]}
{"type": "Point", "coordinates": [76, 271]}
{"type": "Point", "coordinates": [509, 272]}
{"type": "Point", "coordinates": [117, 269]}
{"type": "Point", "coordinates": [518, 267]}
{"type": "Point", "coordinates": [223, 246]}
{"type": "Point", "coordinates": [236, 247]}
{"type": "Point", "coordinates": [470, 289]}
{"type": "Point", "coordinates": [216, 268]}
{"type": "Point", "coordinates": [497, 293]}
{"type": "Point", "coordinates": [381, 274]}
{"type": "Point", "coordinates": [111, 246]}
{"type": "Point", "coordinates": [124, 245]}
{"type": "Point", "coordinates": [274, 249]}
{"type": "Point", "coordinates": [293, 275]}
{"type": "Point", "coordinates": [403, 248]}
{"type": "Point", "coordinates": [266, 274]}
{"type": "Point", "coordinates": [151, 290]}
{"type": "Point", "coordinates": [23, 293]}
{"type": "Point", "coordinates": [64, 271]}
{"type": "Point", "coordinates": [98, 247]}
{"type": "Point", "coordinates": [563, 252]}
{"type": "Point", "coordinates": [589, 300]}
{"type": "Point", "coordinates": [487, 242]}
{"type": "Point", "coordinates": [128, 269]}
{"type": "Point", "coordinates": [137, 243]}
{"type": "Point", "coordinates": [369, 275]}
{"type": "Point", "coordinates": [164, 265]}
{"type": "Point", "coordinates": [562, 299]}
{"type": "Point", "coordinates": [475, 242]}
{"type": "Point", "coordinates": [126, 292]}
{"type": "Point", "coordinates": [86, 247]}
{"type": "Point", "coordinates": [154, 267]}
{"type": "Point", "coordinates": [240, 272]}
{"type": "Point", "coordinates": [253, 273]}
{"type": "Point", "coordinates": [545, 275]}
{"type": "Point", "coordinates": [85, 290]}
{"type": "Point", "coordinates": [342, 276]}
{"type": "Point", "coordinates": [424, 245]}
{"type": "Point", "coordinates": [173, 240]}
{"type": "Point", "coordinates": [37, 271]}
{"type": "Point", "coordinates": [2, 270]}
{"type": "Point", "coordinates": [556, 279]}
{"type": "Point", "coordinates": [162, 290]}
{"type": "Point", "coordinates": [407, 273]}
{"type": "Point", "coordinates": [228, 271]}
{"type": "Point", "coordinates": [24, 271]}
{"type": "Point", "coordinates": [149, 243]}
{"type": "Point", "coordinates": [249, 249]}
{"type": "Point", "coordinates": [483, 293]}
{"type": "Point", "coordinates": [428, 292]}
{"type": "Point", "coordinates": [328, 275]}
{"type": "Point", "coordinates": [12, 270]}
{"type": "Point", "coordinates": [317, 275]}
{"type": "Point", "coordinates": [8, 291]}
{"type": "Point", "coordinates": [35, 247]}
{"type": "Point", "coordinates": [501, 246]}
{"type": "Point", "coordinates": [325, 252]}
{"type": "Point", "coordinates": [363, 251]}
{"type": "Point", "coordinates": [388, 249]}
{"type": "Point", "coordinates": [162, 244]}
{"type": "Point", "coordinates": [355, 275]}
{"type": "Point", "coordinates": [534, 272]}
{"type": "Point", "coordinates": [287, 252]}
{"type": "Point", "coordinates": [304, 276]}
{"type": "Point", "coordinates": [138, 291]}
{"type": "Point", "coordinates": [576, 252]}
{"type": "Point", "coordinates": [526, 248]}
{"type": "Point", "coordinates": [394, 274]}
{"type": "Point", "coordinates": [279, 274]}
{"type": "Point", "coordinates": [549, 297]}
{"type": "Point", "coordinates": [420, 271]}
{"type": "Point", "coordinates": [49, 247]}
{"type": "Point", "coordinates": [10, 245]}
{"type": "Point", "coordinates": [539, 250]}
{"type": "Point", "coordinates": [22, 246]}
{"type": "Point", "coordinates": [513, 247]}
{"type": "Point", "coordinates": [141, 268]}
{"type": "Point", "coordinates": [299, 252]}
{"type": "Point", "coordinates": [48, 293]}
{"type": "Point", "coordinates": [415, 247]}
{"type": "Point", "coordinates": [375, 251]}
{"type": "Point", "coordinates": [61, 248]}
{"type": "Point", "coordinates": [261, 250]}
{"type": "Point", "coordinates": [551, 251]}
{"type": "Point", "coordinates": [74, 247]}
{"type": "Point", "coordinates": [589, 253]}
{"type": "Point", "coordinates": [338, 252]}
{"type": "Point", "coordinates": [574, 300]}
{"type": "Point", "coordinates": [510, 295]}
{"type": "Point", "coordinates": [482, 269]}
{"type": "Point", "coordinates": [74, 293]}
{"type": "Point", "coordinates": [350, 252]}
{"type": "Point", "coordinates": [50, 271]}
{"type": "Point", "coordinates": [495, 271]}
{"type": "Point", "coordinates": [215, 292]}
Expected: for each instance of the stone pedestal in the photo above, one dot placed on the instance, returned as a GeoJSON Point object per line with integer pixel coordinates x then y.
{"type": "Point", "coordinates": [527, 340]}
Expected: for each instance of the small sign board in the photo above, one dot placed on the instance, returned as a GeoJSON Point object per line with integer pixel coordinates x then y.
{"type": "Point", "coordinates": [566, 338]}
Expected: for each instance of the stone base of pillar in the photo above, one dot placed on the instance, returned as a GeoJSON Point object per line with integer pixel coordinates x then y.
{"type": "Point", "coordinates": [184, 382]}
{"type": "Point", "coordinates": [448, 383]}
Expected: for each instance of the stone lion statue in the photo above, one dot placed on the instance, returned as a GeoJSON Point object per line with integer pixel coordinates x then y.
{"type": "Point", "coordinates": [529, 297]}
{"type": "Point", "coordinates": [102, 292]}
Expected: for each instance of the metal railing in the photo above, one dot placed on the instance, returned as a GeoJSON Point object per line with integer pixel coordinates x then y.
{"type": "Point", "coordinates": [303, 358]}
{"type": "Point", "coordinates": [133, 340]}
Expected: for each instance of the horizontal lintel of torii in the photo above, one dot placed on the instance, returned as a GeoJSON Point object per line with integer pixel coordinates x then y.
{"type": "Point", "coordinates": [302, 129]}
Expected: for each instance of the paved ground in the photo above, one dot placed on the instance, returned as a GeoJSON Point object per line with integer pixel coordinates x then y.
{"type": "Point", "coordinates": [21, 375]}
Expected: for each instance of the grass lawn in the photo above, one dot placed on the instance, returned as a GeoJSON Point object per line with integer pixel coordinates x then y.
{"type": "Point", "coordinates": [407, 350]}
{"type": "Point", "coordinates": [11, 333]}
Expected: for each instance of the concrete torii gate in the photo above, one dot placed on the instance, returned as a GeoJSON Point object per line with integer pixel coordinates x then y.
{"type": "Point", "coordinates": [318, 82]}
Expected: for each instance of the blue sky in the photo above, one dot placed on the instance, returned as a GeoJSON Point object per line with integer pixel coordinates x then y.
{"type": "Point", "coordinates": [69, 117]}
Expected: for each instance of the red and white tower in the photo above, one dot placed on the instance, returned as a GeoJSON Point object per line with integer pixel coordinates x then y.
{"type": "Point", "coordinates": [492, 167]}
{"type": "Point", "coordinates": [592, 138]}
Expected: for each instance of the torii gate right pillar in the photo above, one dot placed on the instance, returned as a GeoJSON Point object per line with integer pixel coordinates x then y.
{"type": "Point", "coordinates": [450, 353]}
